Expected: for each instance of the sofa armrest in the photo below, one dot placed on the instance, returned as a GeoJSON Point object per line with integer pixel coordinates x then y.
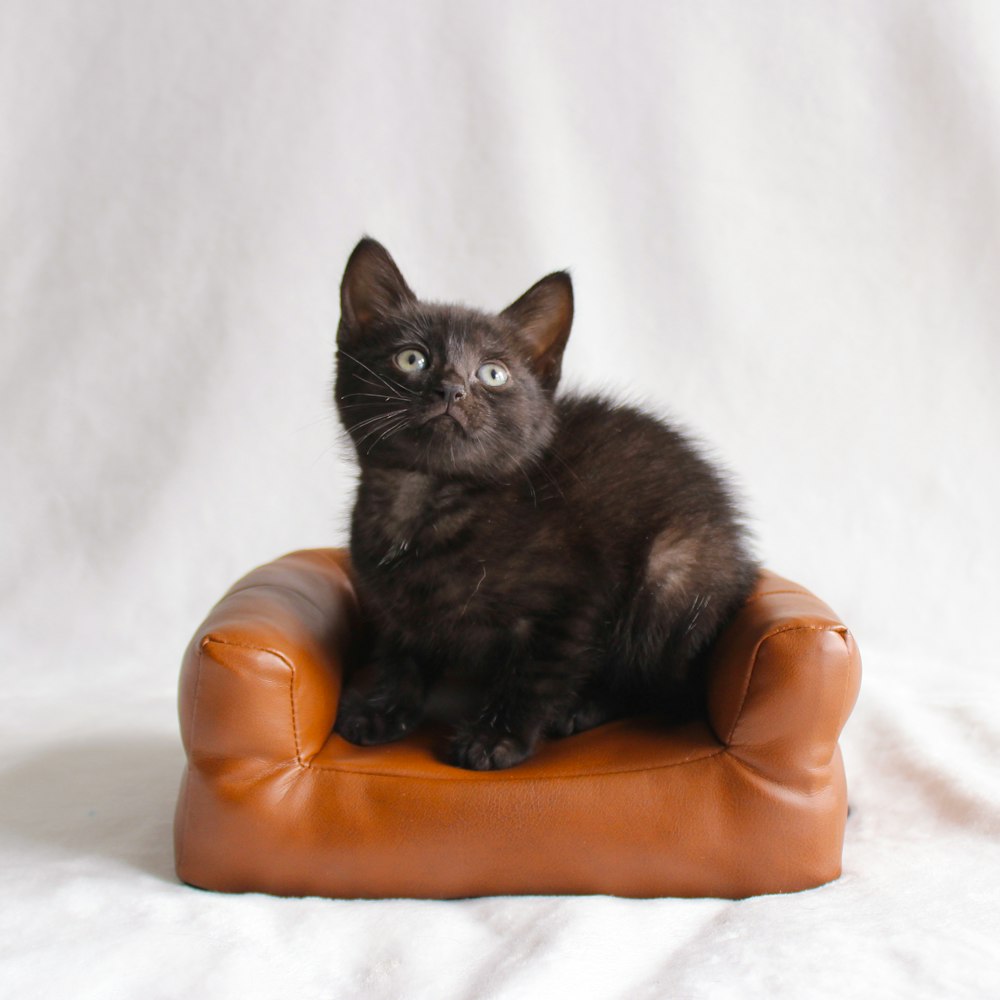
{"type": "Point", "coordinates": [261, 678]}
{"type": "Point", "coordinates": [782, 681]}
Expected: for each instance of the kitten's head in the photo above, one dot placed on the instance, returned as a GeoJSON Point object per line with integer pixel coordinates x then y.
{"type": "Point", "coordinates": [444, 389]}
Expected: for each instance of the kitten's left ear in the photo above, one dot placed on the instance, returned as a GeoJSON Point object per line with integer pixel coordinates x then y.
{"type": "Point", "coordinates": [543, 317]}
{"type": "Point", "coordinates": [372, 287]}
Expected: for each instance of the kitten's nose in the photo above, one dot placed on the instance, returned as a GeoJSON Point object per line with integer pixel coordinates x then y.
{"type": "Point", "coordinates": [451, 392]}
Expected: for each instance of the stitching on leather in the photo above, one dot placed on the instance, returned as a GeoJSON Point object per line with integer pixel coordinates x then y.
{"type": "Point", "coordinates": [753, 665]}
{"type": "Point", "coordinates": [295, 718]}
{"type": "Point", "coordinates": [320, 768]}
{"type": "Point", "coordinates": [728, 738]}
{"type": "Point", "coordinates": [288, 663]}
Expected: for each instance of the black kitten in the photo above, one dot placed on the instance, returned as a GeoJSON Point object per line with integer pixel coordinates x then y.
{"type": "Point", "coordinates": [568, 557]}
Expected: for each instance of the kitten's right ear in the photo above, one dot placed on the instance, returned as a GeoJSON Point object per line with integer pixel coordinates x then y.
{"type": "Point", "coordinates": [543, 317]}
{"type": "Point", "coordinates": [372, 287]}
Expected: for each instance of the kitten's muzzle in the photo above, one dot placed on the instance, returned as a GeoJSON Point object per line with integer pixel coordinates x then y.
{"type": "Point", "coordinates": [449, 396]}
{"type": "Point", "coordinates": [443, 413]}
{"type": "Point", "coordinates": [450, 392]}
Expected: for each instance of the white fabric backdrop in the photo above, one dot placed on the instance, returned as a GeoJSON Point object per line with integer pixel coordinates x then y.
{"type": "Point", "coordinates": [782, 223]}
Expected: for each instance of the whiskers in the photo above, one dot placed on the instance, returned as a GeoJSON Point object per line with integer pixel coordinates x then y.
{"type": "Point", "coordinates": [386, 392]}
{"type": "Point", "coordinates": [368, 396]}
{"type": "Point", "coordinates": [390, 383]}
{"type": "Point", "coordinates": [701, 601]}
{"type": "Point", "coordinates": [379, 427]}
{"type": "Point", "coordinates": [399, 425]}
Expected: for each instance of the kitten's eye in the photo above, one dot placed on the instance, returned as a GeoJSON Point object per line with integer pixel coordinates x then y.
{"type": "Point", "coordinates": [411, 360]}
{"type": "Point", "coordinates": [493, 374]}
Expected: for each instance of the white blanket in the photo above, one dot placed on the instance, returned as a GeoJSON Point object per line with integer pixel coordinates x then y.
{"type": "Point", "coordinates": [782, 222]}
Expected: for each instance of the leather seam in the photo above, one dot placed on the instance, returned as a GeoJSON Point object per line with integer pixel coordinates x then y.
{"type": "Point", "coordinates": [295, 717]}
{"type": "Point", "coordinates": [753, 665]}
{"type": "Point", "coordinates": [291, 680]}
{"type": "Point", "coordinates": [537, 777]}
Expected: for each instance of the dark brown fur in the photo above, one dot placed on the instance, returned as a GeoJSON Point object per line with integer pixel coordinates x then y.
{"type": "Point", "coordinates": [567, 558]}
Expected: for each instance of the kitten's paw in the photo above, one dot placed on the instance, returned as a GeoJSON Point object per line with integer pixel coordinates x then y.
{"type": "Point", "coordinates": [368, 723]}
{"type": "Point", "coordinates": [585, 716]}
{"type": "Point", "coordinates": [480, 749]}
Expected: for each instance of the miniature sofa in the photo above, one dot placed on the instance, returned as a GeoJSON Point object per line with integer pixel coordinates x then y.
{"type": "Point", "coordinates": [752, 800]}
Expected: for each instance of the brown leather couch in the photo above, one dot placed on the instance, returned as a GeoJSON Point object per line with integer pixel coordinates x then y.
{"type": "Point", "coordinates": [752, 800]}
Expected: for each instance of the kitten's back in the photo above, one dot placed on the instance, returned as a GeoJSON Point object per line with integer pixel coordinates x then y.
{"type": "Point", "coordinates": [663, 523]}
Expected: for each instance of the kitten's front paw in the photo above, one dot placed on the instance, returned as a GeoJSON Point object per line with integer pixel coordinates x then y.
{"type": "Point", "coordinates": [368, 723]}
{"type": "Point", "coordinates": [585, 715]}
{"type": "Point", "coordinates": [486, 749]}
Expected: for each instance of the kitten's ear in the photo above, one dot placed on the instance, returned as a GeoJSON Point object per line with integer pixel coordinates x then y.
{"type": "Point", "coordinates": [543, 317]}
{"type": "Point", "coordinates": [372, 287]}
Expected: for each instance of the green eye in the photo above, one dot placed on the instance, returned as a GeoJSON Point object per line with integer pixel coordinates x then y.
{"type": "Point", "coordinates": [493, 375]}
{"type": "Point", "coordinates": [411, 360]}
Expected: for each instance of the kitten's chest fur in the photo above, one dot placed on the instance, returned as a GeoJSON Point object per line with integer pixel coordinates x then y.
{"type": "Point", "coordinates": [444, 563]}
{"type": "Point", "coordinates": [402, 518]}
